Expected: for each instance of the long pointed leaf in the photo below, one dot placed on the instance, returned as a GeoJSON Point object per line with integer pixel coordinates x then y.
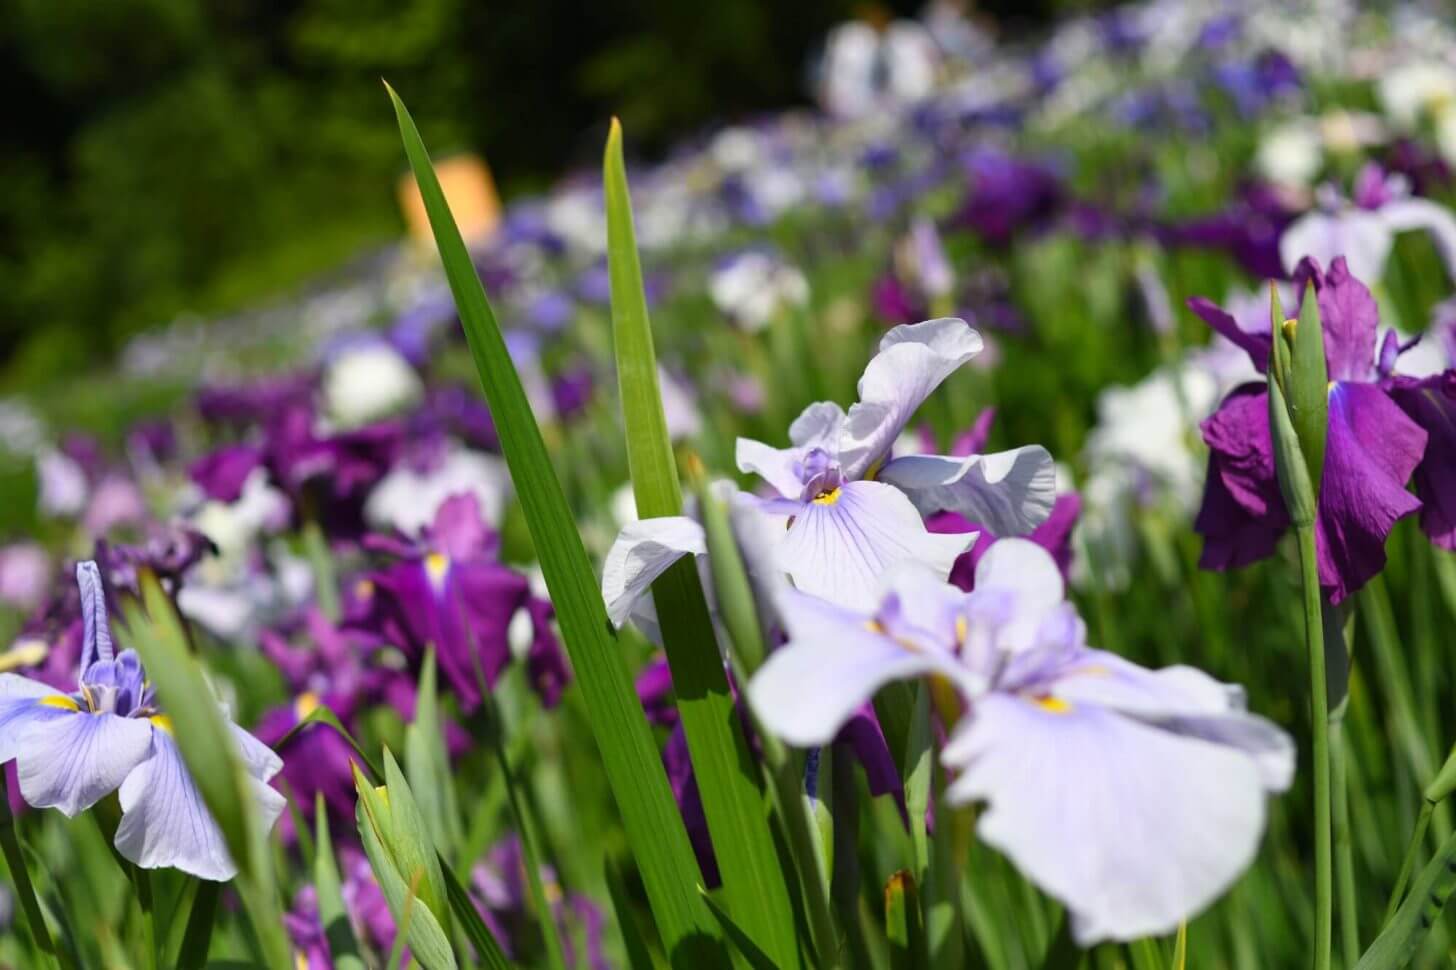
{"type": "Point", "coordinates": [732, 791]}
{"type": "Point", "coordinates": [655, 830]}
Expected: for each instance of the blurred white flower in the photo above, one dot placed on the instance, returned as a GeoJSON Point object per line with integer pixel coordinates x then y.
{"type": "Point", "coordinates": [407, 498]}
{"type": "Point", "coordinates": [754, 287]}
{"type": "Point", "coordinates": [1291, 154]}
{"type": "Point", "coordinates": [1417, 89]}
{"type": "Point", "coordinates": [367, 382]}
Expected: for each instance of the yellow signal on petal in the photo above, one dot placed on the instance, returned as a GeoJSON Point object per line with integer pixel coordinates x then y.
{"type": "Point", "coordinates": [436, 565]}
{"type": "Point", "coordinates": [305, 704]}
{"type": "Point", "coordinates": [828, 498]}
{"type": "Point", "coordinates": [1053, 705]}
{"type": "Point", "coordinates": [60, 701]}
{"type": "Point", "coordinates": [162, 721]}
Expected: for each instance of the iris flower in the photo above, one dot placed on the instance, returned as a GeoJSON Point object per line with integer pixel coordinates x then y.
{"type": "Point", "coordinates": [1384, 429]}
{"type": "Point", "coordinates": [1133, 796]}
{"type": "Point", "coordinates": [449, 590]}
{"type": "Point", "coordinates": [1364, 229]}
{"type": "Point", "coordinates": [855, 510]}
{"type": "Point", "coordinates": [73, 749]}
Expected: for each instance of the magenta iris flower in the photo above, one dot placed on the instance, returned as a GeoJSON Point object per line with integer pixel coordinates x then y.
{"type": "Point", "coordinates": [1384, 430]}
{"type": "Point", "coordinates": [448, 590]}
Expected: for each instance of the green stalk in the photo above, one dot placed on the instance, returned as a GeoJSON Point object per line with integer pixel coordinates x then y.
{"type": "Point", "coordinates": [20, 876]}
{"type": "Point", "coordinates": [1314, 636]}
{"type": "Point", "coordinates": [530, 846]}
{"type": "Point", "coordinates": [1408, 864]}
{"type": "Point", "coordinates": [1344, 857]}
{"type": "Point", "coordinates": [142, 882]}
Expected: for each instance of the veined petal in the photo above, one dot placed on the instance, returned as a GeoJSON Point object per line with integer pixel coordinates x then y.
{"type": "Point", "coordinates": [839, 548]}
{"type": "Point", "coordinates": [261, 761]}
{"type": "Point", "coordinates": [833, 663]}
{"type": "Point", "coordinates": [643, 551]}
{"type": "Point", "coordinates": [165, 822]}
{"type": "Point", "coordinates": [1133, 828]}
{"type": "Point", "coordinates": [1372, 449]}
{"type": "Point", "coordinates": [913, 361]}
{"type": "Point", "coordinates": [1183, 700]}
{"type": "Point", "coordinates": [22, 706]}
{"type": "Point", "coordinates": [74, 761]}
{"type": "Point", "coordinates": [1350, 319]}
{"type": "Point", "coordinates": [1008, 492]}
{"type": "Point", "coordinates": [777, 466]}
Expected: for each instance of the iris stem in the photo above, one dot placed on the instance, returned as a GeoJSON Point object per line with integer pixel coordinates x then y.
{"type": "Point", "coordinates": [1314, 636]}
{"type": "Point", "coordinates": [530, 844]}
{"type": "Point", "coordinates": [142, 883]}
{"type": "Point", "coordinates": [1412, 856]}
{"type": "Point", "coordinates": [1344, 856]}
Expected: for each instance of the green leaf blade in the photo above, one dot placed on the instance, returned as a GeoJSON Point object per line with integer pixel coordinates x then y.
{"type": "Point", "coordinates": [634, 770]}
{"type": "Point", "coordinates": [730, 785]}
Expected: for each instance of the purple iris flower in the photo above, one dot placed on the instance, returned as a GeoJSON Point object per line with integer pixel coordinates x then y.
{"type": "Point", "coordinates": [458, 411]}
{"type": "Point", "coordinates": [854, 511]}
{"type": "Point", "coordinates": [449, 590]}
{"type": "Point", "coordinates": [1135, 797]}
{"type": "Point", "coordinates": [252, 403]}
{"type": "Point", "coordinates": [1007, 194]}
{"type": "Point", "coordinates": [1248, 229]}
{"type": "Point", "coordinates": [333, 668]}
{"type": "Point", "coordinates": [500, 894]}
{"type": "Point", "coordinates": [1380, 424]}
{"type": "Point", "coordinates": [306, 932]}
{"type": "Point", "coordinates": [73, 749]}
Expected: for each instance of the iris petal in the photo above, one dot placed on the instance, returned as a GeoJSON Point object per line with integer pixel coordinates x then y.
{"type": "Point", "coordinates": [73, 761]}
{"type": "Point", "coordinates": [1134, 828]}
{"type": "Point", "coordinates": [165, 822]}
{"type": "Point", "coordinates": [1009, 492]}
{"type": "Point", "coordinates": [841, 547]}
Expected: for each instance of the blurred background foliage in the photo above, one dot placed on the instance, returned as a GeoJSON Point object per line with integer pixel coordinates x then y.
{"type": "Point", "coordinates": [164, 157]}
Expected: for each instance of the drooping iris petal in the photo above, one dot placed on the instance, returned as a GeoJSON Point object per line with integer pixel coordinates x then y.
{"type": "Point", "coordinates": [1009, 492]}
{"type": "Point", "coordinates": [833, 664]}
{"type": "Point", "coordinates": [1134, 828]}
{"type": "Point", "coordinates": [72, 762]}
{"type": "Point", "coordinates": [1183, 699]}
{"type": "Point", "coordinates": [912, 362]}
{"type": "Point", "coordinates": [165, 823]}
{"type": "Point", "coordinates": [1233, 536]}
{"type": "Point", "coordinates": [642, 552]}
{"type": "Point", "coordinates": [1371, 450]}
{"type": "Point", "coordinates": [839, 547]}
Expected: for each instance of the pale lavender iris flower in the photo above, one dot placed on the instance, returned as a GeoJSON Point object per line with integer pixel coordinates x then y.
{"type": "Point", "coordinates": [1133, 796]}
{"type": "Point", "coordinates": [72, 750]}
{"type": "Point", "coordinates": [855, 510]}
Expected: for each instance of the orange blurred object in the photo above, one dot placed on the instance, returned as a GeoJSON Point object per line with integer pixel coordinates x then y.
{"type": "Point", "coordinates": [470, 191]}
